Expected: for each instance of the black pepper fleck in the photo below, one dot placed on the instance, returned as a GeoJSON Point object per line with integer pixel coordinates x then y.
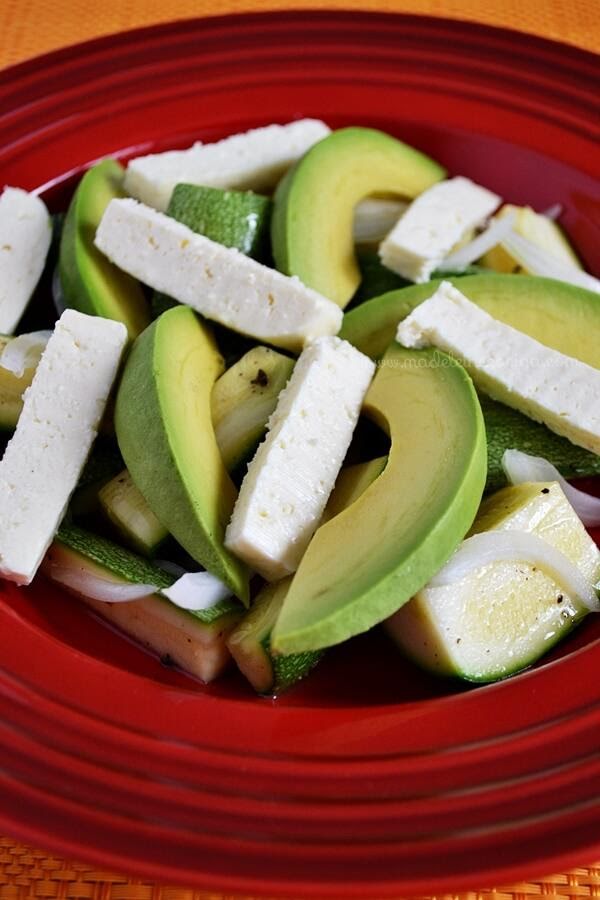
{"type": "Point", "coordinates": [545, 490]}
{"type": "Point", "coordinates": [262, 379]}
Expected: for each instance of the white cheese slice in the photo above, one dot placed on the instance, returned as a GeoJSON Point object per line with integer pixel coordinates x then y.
{"type": "Point", "coordinates": [254, 160]}
{"type": "Point", "coordinates": [218, 282]}
{"type": "Point", "coordinates": [43, 460]}
{"type": "Point", "coordinates": [433, 224]}
{"type": "Point", "coordinates": [510, 366]}
{"type": "Point", "coordinates": [25, 234]}
{"type": "Point", "coordinates": [289, 480]}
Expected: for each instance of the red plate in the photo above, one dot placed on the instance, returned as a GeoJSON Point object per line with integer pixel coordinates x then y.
{"type": "Point", "coordinates": [370, 779]}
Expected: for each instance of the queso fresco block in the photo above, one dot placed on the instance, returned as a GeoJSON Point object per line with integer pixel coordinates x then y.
{"type": "Point", "coordinates": [284, 493]}
{"type": "Point", "coordinates": [61, 412]}
{"type": "Point", "coordinates": [253, 160]}
{"type": "Point", "coordinates": [219, 282]}
{"type": "Point", "coordinates": [433, 224]}
{"type": "Point", "coordinates": [25, 235]}
{"type": "Point", "coordinates": [558, 390]}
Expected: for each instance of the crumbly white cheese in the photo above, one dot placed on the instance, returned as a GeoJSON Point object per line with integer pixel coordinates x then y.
{"type": "Point", "coordinates": [433, 224]}
{"type": "Point", "coordinates": [44, 458]}
{"type": "Point", "coordinates": [25, 234]}
{"type": "Point", "coordinates": [510, 366]}
{"type": "Point", "coordinates": [289, 480]}
{"type": "Point", "coordinates": [218, 282]}
{"type": "Point", "coordinates": [254, 160]}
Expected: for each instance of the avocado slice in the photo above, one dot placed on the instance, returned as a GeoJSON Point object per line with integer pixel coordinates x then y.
{"type": "Point", "coordinates": [164, 429]}
{"type": "Point", "coordinates": [89, 282]}
{"type": "Point", "coordinates": [242, 400]}
{"type": "Point", "coordinates": [372, 557]}
{"type": "Point", "coordinates": [312, 224]}
{"type": "Point", "coordinates": [504, 616]}
{"type": "Point", "coordinates": [559, 315]}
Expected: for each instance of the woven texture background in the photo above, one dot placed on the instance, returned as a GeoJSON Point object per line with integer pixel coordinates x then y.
{"type": "Point", "coordinates": [31, 27]}
{"type": "Point", "coordinates": [26, 874]}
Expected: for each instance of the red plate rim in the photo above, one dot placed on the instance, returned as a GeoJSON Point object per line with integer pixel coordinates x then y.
{"type": "Point", "coordinates": [511, 730]}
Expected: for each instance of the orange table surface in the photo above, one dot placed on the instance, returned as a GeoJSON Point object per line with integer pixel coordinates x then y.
{"type": "Point", "coordinates": [31, 27]}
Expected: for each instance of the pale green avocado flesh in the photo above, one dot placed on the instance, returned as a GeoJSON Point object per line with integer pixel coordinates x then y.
{"type": "Point", "coordinates": [165, 433]}
{"type": "Point", "coordinates": [371, 558]}
{"type": "Point", "coordinates": [89, 282]}
{"type": "Point", "coordinates": [311, 228]}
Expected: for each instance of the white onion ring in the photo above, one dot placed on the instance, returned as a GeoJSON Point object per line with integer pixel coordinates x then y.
{"type": "Point", "coordinates": [493, 235]}
{"type": "Point", "coordinates": [24, 352]}
{"type": "Point", "coordinates": [196, 591]}
{"type": "Point", "coordinates": [540, 262]}
{"type": "Point", "coordinates": [517, 546]}
{"type": "Point", "coordinates": [95, 587]}
{"type": "Point", "coordinates": [521, 467]}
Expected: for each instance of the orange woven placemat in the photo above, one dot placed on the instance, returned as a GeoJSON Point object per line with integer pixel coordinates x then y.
{"type": "Point", "coordinates": [27, 873]}
{"type": "Point", "coordinates": [31, 27]}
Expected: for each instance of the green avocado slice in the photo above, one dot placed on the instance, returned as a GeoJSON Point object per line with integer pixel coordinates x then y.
{"type": "Point", "coordinates": [165, 433]}
{"type": "Point", "coordinates": [311, 228]}
{"type": "Point", "coordinates": [89, 282]}
{"type": "Point", "coordinates": [371, 558]}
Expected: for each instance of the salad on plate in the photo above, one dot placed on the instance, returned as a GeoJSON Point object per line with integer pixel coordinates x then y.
{"type": "Point", "coordinates": [302, 383]}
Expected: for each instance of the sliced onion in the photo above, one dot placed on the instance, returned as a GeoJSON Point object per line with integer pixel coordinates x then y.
{"type": "Point", "coordinates": [521, 467]}
{"type": "Point", "coordinates": [197, 591]}
{"type": "Point", "coordinates": [94, 587]}
{"type": "Point", "coordinates": [539, 262]}
{"type": "Point", "coordinates": [487, 240]}
{"type": "Point", "coordinates": [57, 293]}
{"type": "Point", "coordinates": [553, 212]}
{"type": "Point", "coordinates": [518, 547]}
{"type": "Point", "coordinates": [374, 218]}
{"type": "Point", "coordinates": [24, 352]}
